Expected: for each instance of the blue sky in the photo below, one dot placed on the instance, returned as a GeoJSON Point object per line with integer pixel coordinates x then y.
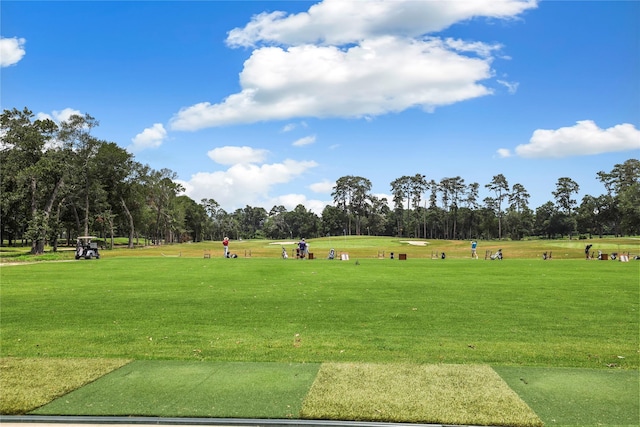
{"type": "Point", "coordinates": [266, 103]}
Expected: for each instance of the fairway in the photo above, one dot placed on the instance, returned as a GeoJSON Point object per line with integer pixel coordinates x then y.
{"type": "Point", "coordinates": [514, 312]}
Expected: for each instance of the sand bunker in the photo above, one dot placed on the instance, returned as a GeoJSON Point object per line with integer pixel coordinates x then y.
{"type": "Point", "coordinates": [415, 242]}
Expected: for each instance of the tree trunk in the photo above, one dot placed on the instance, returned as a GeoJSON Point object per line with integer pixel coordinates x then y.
{"type": "Point", "coordinates": [54, 243]}
{"type": "Point", "coordinates": [86, 213]}
{"type": "Point", "coordinates": [37, 245]}
{"type": "Point", "coordinates": [130, 220]}
{"type": "Point", "coordinates": [111, 231]}
{"type": "Point", "coordinates": [77, 217]}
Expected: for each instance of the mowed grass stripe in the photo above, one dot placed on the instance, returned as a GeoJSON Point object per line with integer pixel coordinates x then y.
{"type": "Point", "coordinates": [574, 396]}
{"type": "Point", "coordinates": [27, 383]}
{"type": "Point", "coordinates": [450, 394]}
{"type": "Point", "coordinates": [192, 389]}
{"type": "Point", "coordinates": [515, 312]}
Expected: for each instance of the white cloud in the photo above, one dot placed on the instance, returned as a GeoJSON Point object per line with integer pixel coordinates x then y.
{"type": "Point", "coordinates": [336, 22]}
{"type": "Point", "coordinates": [64, 115]}
{"type": "Point", "coordinates": [289, 127]}
{"type": "Point", "coordinates": [230, 155]}
{"type": "Point", "coordinates": [245, 183]}
{"type": "Point", "coordinates": [323, 187]}
{"type": "Point", "coordinates": [504, 152]}
{"type": "Point", "coordinates": [290, 201]}
{"type": "Point", "coordinates": [304, 141]}
{"type": "Point", "coordinates": [342, 59]}
{"type": "Point", "coordinates": [584, 138]}
{"type": "Point", "coordinates": [378, 76]}
{"type": "Point", "coordinates": [152, 137]}
{"type": "Point", "coordinates": [484, 50]}
{"type": "Point", "coordinates": [43, 116]}
{"type": "Point", "coordinates": [315, 206]}
{"type": "Point", "coordinates": [512, 87]}
{"type": "Point", "coordinates": [59, 116]}
{"type": "Point", "coordinates": [11, 50]}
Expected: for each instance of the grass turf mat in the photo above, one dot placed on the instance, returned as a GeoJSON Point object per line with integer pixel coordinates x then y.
{"type": "Point", "coordinates": [193, 389]}
{"type": "Point", "coordinates": [27, 383]}
{"type": "Point", "coordinates": [573, 396]}
{"type": "Point", "coordinates": [452, 394]}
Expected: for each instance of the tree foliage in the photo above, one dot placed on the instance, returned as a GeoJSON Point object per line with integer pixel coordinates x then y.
{"type": "Point", "coordinates": [59, 181]}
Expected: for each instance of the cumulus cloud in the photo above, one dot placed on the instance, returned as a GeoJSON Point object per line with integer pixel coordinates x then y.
{"type": "Point", "coordinates": [340, 59]}
{"type": "Point", "coordinates": [11, 50]}
{"type": "Point", "coordinates": [244, 183]}
{"type": "Point", "coordinates": [59, 116]}
{"type": "Point", "coordinates": [504, 152]}
{"type": "Point", "coordinates": [336, 22]}
{"type": "Point", "coordinates": [291, 201]}
{"type": "Point", "coordinates": [231, 155]}
{"type": "Point", "coordinates": [248, 180]}
{"type": "Point", "coordinates": [304, 141]}
{"type": "Point", "coordinates": [378, 76]}
{"type": "Point", "coordinates": [323, 187]}
{"type": "Point", "coordinates": [152, 137]}
{"type": "Point", "coordinates": [583, 138]}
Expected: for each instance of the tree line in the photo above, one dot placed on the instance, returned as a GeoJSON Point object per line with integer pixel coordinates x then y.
{"type": "Point", "coordinates": [58, 182]}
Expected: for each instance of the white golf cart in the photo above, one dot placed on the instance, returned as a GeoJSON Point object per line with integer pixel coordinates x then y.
{"type": "Point", "coordinates": [87, 249]}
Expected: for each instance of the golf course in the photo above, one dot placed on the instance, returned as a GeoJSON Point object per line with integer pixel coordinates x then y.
{"type": "Point", "coordinates": [181, 331]}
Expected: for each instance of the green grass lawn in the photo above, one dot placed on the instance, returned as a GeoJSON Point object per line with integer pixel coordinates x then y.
{"type": "Point", "coordinates": [516, 314]}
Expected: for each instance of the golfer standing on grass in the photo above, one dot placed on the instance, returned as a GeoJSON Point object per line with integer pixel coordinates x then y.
{"type": "Point", "coordinates": [586, 251]}
{"type": "Point", "coordinates": [302, 248]}
{"type": "Point", "coordinates": [474, 253]}
{"type": "Point", "coordinates": [225, 243]}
